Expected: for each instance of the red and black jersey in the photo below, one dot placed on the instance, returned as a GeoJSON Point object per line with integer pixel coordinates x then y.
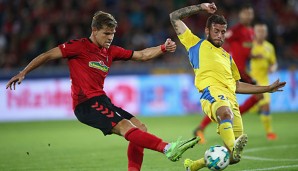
{"type": "Point", "coordinates": [239, 43]}
{"type": "Point", "coordinates": [89, 65]}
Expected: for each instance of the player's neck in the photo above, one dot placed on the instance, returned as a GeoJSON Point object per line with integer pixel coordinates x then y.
{"type": "Point", "coordinates": [260, 41]}
{"type": "Point", "coordinates": [246, 24]}
{"type": "Point", "coordinates": [94, 41]}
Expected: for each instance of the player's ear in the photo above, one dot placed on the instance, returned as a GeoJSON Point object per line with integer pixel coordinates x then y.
{"type": "Point", "coordinates": [207, 32]}
{"type": "Point", "coordinates": [94, 30]}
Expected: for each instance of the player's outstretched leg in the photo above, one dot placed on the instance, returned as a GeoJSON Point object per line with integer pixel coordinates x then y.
{"type": "Point", "coordinates": [191, 165]}
{"type": "Point", "coordinates": [175, 150]}
{"type": "Point", "coordinates": [239, 145]}
{"type": "Point", "coordinates": [187, 164]}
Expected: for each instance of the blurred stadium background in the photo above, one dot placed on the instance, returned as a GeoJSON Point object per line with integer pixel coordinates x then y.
{"type": "Point", "coordinates": [162, 87]}
{"type": "Point", "coordinates": [30, 27]}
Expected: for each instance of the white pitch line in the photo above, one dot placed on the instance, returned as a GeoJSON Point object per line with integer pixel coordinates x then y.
{"type": "Point", "coordinates": [268, 159]}
{"type": "Point", "coordinates": [273, 168]}
{"type": "Point", "coordinates": [269, 148]}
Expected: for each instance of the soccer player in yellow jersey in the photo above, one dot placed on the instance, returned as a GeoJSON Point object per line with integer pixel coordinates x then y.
{"type": "Point", "coordinates": [217, 77]}
{"type": "Point", "coordinates": [262, 63]}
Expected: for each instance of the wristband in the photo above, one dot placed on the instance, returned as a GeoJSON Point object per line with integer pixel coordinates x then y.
{"type": "Point", "coordinates": [163, 48]}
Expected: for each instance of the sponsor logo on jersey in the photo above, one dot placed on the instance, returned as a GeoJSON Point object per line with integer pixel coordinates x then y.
{"type": "Point", "coordinates": [99, 65]}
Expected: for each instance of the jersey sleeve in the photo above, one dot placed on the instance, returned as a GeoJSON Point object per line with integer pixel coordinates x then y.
{"type": "Point", "coordinates": [235, 72]}
{"type": "Point", "coordinates": [71, 48]}
{"type": "Point", "coordinates": [232, 34]}
{"type": "Point", "coordinates": [188, 39]}
{"type": "Point", "coordinates": [119, 53]}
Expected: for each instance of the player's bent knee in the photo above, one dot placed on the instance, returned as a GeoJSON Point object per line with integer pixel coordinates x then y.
{"type": "Point", "coordinates": [138, 124]}
{"type": "Point", "coordinates": [225, 116]}
{"type": "Point", "coordinates": [123, 127]}
{"type": "Point", "coordinates": [143, 127]}
{"type": "Point", "coordinates": [224, 113]}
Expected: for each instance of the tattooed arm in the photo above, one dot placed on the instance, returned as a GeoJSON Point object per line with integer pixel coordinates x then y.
{"type": "Point", "coordinates": [177, 16]}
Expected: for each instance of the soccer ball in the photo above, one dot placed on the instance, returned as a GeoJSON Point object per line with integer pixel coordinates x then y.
{"type": "Point", "coordinates": [217, 158]}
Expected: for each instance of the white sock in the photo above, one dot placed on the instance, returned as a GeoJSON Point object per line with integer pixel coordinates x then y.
{"type": "Point", "coordinates": [166, 148]}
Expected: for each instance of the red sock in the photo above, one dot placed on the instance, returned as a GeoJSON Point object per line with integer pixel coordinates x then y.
{"type": "Point", "coordinates": [145, 140]}
{"type": "Point", "coordinates": [249, 103]}
{"type": "Point", "coordinates": [135, 157]}
{"type": "Point", "coordinates": [205, 122]}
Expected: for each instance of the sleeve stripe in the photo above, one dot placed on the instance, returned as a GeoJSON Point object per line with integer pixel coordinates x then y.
{"type": "Point", "coordinates": [194, 54]}
{"type": "Point", "coordinates": [231, 59]}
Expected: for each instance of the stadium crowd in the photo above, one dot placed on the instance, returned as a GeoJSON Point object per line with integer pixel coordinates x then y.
{"type": "Point", "coordinates": [29, 27]}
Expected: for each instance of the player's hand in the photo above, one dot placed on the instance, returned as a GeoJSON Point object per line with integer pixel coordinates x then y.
{"type": "Point", "coordinates": [276, 86]}
{"type": "Point", "coordinates": [209, 7]}
{"type": "Point", "coordinates": [16, 79]}
{"type": "Point", "coordinates": [170, 45]}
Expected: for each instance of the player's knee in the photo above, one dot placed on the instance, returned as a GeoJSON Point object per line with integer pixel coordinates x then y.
{"type": "Point", "coordinates": [225, 115]}
{"type": "Point", "coordinates": [122, 127]}
{"type": "Point", "coordinates": [138, 124]}
{"type": "Point", "coordinates": [143, 127]}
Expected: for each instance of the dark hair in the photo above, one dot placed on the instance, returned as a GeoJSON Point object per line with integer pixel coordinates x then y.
{"type": "Point", "coordinates": [259, 22]}
{"type": "Point", "coordinates": [245, 6]}
{"type": "Point", "coordinates": [216, 19]}
{"type": "Point", "coordinates": [101, 19]}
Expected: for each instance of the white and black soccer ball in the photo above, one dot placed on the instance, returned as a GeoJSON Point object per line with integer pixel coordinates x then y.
{"type": "Point", "coordinates": [217, 157]}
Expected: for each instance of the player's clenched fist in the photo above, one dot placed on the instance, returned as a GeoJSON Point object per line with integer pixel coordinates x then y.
{"type": "Point", "coordinates": [209, 7]}
{"type": "Point", "coordinates": [170, 45]}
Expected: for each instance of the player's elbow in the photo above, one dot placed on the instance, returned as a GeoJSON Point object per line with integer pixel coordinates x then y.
{"type": "Point", "coordinates": [142, 56]}
{"type": "Point", "coordinates": [173, 16]}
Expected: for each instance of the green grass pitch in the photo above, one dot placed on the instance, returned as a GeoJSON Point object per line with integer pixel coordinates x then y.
{"type": "Point", "coordinates": [72, 146]}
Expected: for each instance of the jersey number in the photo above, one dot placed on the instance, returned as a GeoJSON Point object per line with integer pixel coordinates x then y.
{"type": "Point", "coordinates": [222, 97]}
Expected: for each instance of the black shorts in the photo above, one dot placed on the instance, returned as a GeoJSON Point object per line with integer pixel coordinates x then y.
{"type": "Point", "coordinates": [99, 112]}
{"type": "Point", "coordinates": [246, 78]}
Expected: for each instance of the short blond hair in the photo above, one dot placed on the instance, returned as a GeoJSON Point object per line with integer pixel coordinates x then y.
{"type": "Point", "coordinates": [101, 19]}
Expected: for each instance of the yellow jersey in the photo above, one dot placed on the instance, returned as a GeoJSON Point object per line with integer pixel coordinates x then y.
{"type": "Point", "coordinates": [212, 66]}
{"type": "Point", "coordinates": [260, 66]}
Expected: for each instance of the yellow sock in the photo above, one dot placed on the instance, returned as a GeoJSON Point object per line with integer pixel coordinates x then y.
{"type": "Point", "coordinates": [267, 122]}
{"type": "Point", "coordinates": [227, 134]}
{"type": "Point", "coordinates": [198, 164]}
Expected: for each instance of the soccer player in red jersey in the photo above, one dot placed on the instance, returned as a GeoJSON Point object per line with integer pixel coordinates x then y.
{"type": "Point", "coordinates": [89, 60]}
{"type": "Point", "coordinates": [239, 41]}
